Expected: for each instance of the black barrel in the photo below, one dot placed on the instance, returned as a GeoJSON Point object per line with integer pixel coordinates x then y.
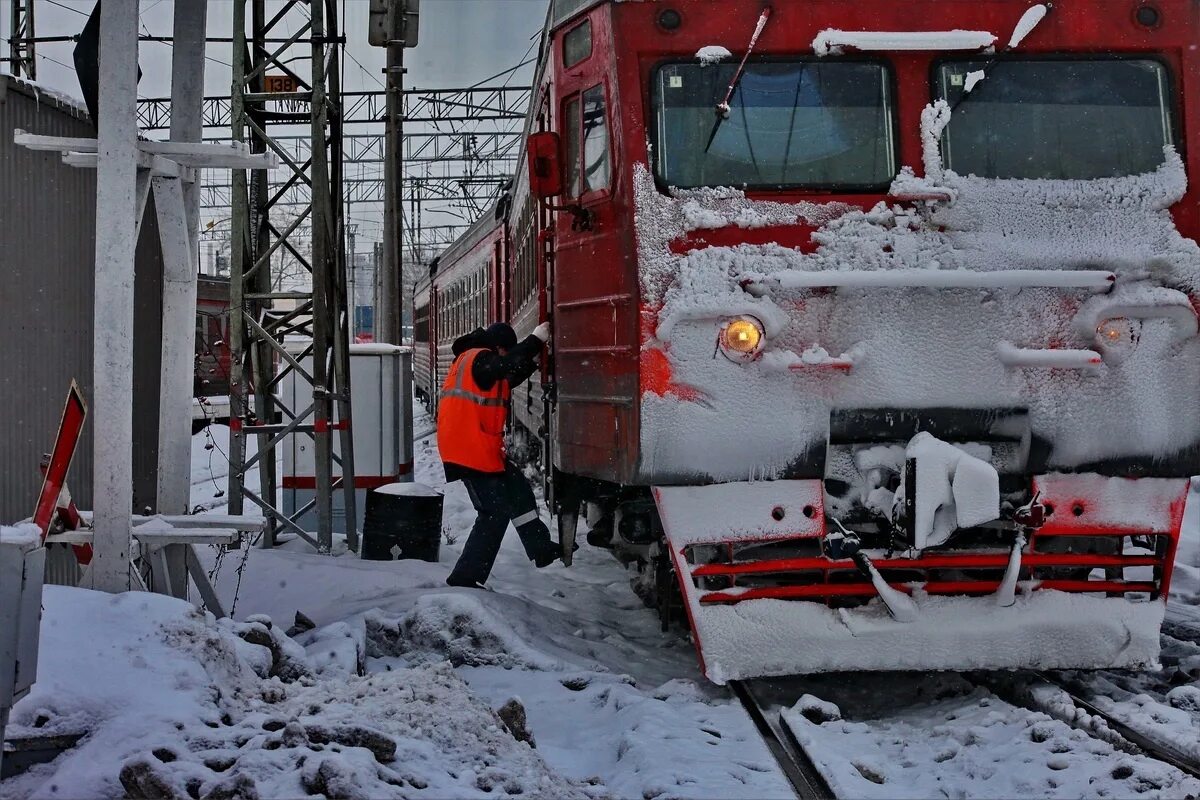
{"type": "Point", "coordinates": [402, 520]}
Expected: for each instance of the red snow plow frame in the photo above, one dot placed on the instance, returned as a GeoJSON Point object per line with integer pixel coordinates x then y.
{"type": "Point", "coordinates": [711, 541]}
{"type": "Point", "coordinates": [1080, 507]}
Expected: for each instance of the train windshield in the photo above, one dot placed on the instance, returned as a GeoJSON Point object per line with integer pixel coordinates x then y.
{"type": "Point", "coordinates": [1060, 119]}
{"type": "Point", "coordinates": [794, 124]}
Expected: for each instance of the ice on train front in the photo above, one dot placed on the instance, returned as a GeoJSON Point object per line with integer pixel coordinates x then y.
{"type": "Point", "coordinates": [948, 431]}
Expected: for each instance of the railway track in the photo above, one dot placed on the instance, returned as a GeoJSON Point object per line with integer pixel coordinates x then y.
{"type": "Point", "coordinates": [765, 699]}
{"type": "Point", "coordinates": [1159, 749]}
{"type": "Point", "coordinates": [807, 781]}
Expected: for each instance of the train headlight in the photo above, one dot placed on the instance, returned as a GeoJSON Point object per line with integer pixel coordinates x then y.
{"type": "Point", "coordinates": [1118, 337]}
{"type": "Point", "coordinates": [742, 338]}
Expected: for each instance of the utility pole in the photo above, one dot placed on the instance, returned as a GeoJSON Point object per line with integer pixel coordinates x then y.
{"type": "Point", "coordinates": [128, 168]}
{"type": "Point", "coordinates": [394, 26]}
{"type": "Point", "coordinates": [22, 55]}
{"type": "Point", "coordinates": [121, 189]}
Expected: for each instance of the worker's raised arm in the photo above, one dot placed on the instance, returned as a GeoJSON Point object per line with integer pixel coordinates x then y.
{"type": "Point", "coordinates": [516, 365]}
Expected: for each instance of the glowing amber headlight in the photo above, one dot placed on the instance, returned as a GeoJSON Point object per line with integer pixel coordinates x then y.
{"type": "Point", "coordinates": [742, 337]}
{"type": "Point", "coordinates": [1118, 337]}
{"type": "Point", "coordinates": [1118, 331]}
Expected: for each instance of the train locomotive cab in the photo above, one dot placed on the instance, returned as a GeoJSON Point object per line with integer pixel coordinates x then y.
{"type": "Point", "coordinates": [875, 330]}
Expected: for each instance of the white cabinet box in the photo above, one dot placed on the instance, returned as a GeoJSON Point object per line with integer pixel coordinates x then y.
{"type": "Point", "coordinates": [22, 565]}
{"type": "Point", "coordinates": [381, 411]}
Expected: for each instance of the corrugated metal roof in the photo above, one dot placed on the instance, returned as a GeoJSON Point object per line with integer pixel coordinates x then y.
{"type": "Point", "coordinates": [47, 234]}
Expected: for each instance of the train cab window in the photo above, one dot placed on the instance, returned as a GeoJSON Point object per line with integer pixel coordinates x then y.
{"type": "Point", "coordinates": [577, 44]}
{"type": "Point", "coordinates": [1065, 119]}
{"type": "Point", "coordinates": [595, 140]}
{"type": "Point", "coordinates": [791, 124]}
{"type": "Point", "coordinates": [587, 160]}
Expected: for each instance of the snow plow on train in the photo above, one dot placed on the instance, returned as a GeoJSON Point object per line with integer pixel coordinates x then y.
{"type": "Point", "coordinates": [875, 328]}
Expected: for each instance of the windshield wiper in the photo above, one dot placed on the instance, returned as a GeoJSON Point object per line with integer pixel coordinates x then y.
{"type": "Point", "coordinates": [723, 106]}
{"type": "Point", "coordinates": [1030, 20]}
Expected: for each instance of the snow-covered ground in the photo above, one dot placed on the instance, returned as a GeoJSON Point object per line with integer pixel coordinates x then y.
{"type": "Point", "coordinates": [963, 741]}
{"type": "Point", "coordinates": [395, 693]}
{"type": "Point", "coordinates": [171, 697]}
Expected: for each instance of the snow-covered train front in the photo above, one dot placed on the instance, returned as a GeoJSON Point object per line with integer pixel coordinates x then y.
{"type": "Point", "coordinates": [922, 391]}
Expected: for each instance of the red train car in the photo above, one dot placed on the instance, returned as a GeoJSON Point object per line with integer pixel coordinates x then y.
{"type": "Point", "coordinates": [212, 337]}
{"type": "Point", "coordinates": [875, 331]}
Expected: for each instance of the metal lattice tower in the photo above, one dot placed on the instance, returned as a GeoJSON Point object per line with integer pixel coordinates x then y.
{"type": "Point", "coordinates": [22, 56]}
{"type": "Point", "coordinates": [262, 315]}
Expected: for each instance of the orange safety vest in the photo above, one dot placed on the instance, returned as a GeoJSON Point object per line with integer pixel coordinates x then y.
{"type": "Point", "coordinates": [470, 425]}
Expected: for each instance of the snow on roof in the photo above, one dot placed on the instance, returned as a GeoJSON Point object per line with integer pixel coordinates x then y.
{"type": "Point", "coordinates": [832, 41]}
{"type": "Point", "coordinates": [41, 90]}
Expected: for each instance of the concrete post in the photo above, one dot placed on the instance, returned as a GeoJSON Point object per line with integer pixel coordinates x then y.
{"type": "Point", "coordinates": [117, 215]}
{"type": "Point", "coordinates": [178, 206]}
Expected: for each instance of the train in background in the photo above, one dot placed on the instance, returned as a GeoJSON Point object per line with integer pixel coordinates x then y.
{"type": "Point", "coordinates": [212, 337]}
{"type": "Point", "coordinates": [874, 324]}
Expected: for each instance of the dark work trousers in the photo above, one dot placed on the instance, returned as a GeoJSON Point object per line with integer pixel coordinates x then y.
{"type": "Point", "coordinates": [499, 498]}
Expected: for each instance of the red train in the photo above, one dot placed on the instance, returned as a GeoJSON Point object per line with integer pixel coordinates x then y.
{"type": "Point", "coordinates": [212, 337]}
{"type": "Point", "coordinates": [875, 324]}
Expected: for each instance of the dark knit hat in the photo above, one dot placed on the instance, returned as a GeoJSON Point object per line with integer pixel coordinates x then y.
{"type": "Point", "coordinates": [501, 334]}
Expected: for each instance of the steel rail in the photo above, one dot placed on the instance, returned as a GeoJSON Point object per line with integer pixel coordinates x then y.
{"type": "Point", "coordinates": [1153, 748]}
{"type": "Point", "coordinates": [806, 780]}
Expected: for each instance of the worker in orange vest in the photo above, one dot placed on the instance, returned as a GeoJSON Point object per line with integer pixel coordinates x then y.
{"type": "Point", "coordinates": [471, 416]}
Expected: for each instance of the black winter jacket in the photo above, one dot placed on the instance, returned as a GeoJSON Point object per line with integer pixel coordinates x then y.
{"type": "Point", "coordinates": [517, 365]}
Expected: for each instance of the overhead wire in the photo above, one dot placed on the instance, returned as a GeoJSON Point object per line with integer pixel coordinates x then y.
{"type": "Point", "coordinates": [68, 8]}
{"type": "Point", "coordinates": [56, 61]}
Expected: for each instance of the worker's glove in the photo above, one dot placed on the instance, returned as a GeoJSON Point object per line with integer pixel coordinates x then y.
{"type": "Point", "coordinates": [542, 332]}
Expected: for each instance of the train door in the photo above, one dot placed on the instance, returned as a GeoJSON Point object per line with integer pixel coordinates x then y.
{"type": "Point", "coordinates": [595, 360]}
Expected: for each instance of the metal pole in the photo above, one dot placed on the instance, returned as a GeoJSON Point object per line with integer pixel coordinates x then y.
{"type": "Point", "coordinates": [341, 318]}
{"type": "Point", "coordinates": [238, 266]}
{"type": "Point", "coordinates": [262, 357]}
{"type": "Point", "coordinates": [118, 209]}
{"type": "Point", "coordinates": [389, 310]}
{"type": "Point", "coordinates": [322, 258]}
